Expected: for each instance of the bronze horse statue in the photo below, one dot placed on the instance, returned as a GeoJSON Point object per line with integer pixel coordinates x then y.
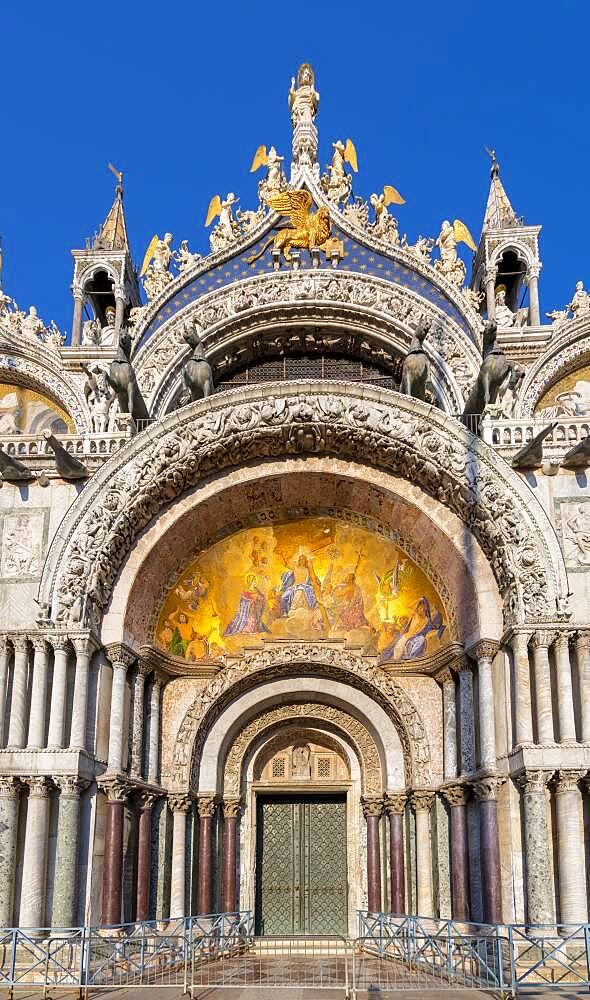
{"type": "Point", "coordinates": [197, 373]}
{"type": "Point", "coordinates": [416, 367]}
{"type": "Point", "coordinates": [121, 378]}
{"type": "Point", "coordinates": [492, 374]}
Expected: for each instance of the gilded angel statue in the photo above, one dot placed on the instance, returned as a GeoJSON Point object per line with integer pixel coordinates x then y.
{"type": "Point", "coordinates": [306, 229]}
{"type": "Point", "coordinates": [155, 269]}
{"type": "Point", "coordinates": [385, 225]}
{"type": "Point", "coordinates": [227, 229]}
{"type": "Point", "coordinates": [336, 182]}
{"type": "Point", "coordinates": [275, 178]}
{"type": "Point", "coordinates": [450, 263]}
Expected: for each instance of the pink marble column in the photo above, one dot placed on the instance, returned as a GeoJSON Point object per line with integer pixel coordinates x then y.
{"type": "Point", "coordinates": [231, 812]}
{"type": "Point", "coordinates": [206, 808]}
{"type": "Point", "coordinates": [144, 856]}
{"type": "Point", "coordinates": [486, 792]}
{"type": "Point", "coordinates": [112, 879]}
{"type": "Point", "coordinates": [395, 804]}
{"type": "Point", "coordinates": [457, 797]}
{"type": "Point", "coordinates": [372, 811]}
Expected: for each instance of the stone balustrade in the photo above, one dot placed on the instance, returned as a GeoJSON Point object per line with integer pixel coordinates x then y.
{"type": "Point", "coordinates": [83, 446]}
{"type": "Point", "coordinates": [509, 436]}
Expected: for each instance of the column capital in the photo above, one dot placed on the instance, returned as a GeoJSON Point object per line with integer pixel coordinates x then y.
{"type": "Point", "coordinates": [84, 644]}
{"type": "Point", "coordinates": [147, 799]}
{"type": "Point", "coordinates": [566, 780]}
{"type": "Point", "coordinates": [206, 805]}
{"type": "Point", "coordinates": [463, 665]}
{"type": "Point", "coordinates": [20, 643]}
{"type": "Point", "coordinates": [179, 802]}
{"type": "Point", "coordinates": [531, 781]}
{"type": "Point", "coordinates": [582, 639]}
{"type": "Point", "coordinates": [562, 640]}
{"type": "Point", "coordinates": [395, 802]}
{"type": "Point", "coordinates": [542, 639]}
{"type": "Point", "coordinates": [490, 273]}
{"type": "Point", "coordinates": [143, 668]}
{"type": "Point", "coordinates": [39, 643]}
{"type": "Point", "coordinates": [444, 676]}
{"type": "Point", "coordinates": [120, 655]}
{"type": "Point", "coordinates": [422, 799]}
{"type": "Point", "coordinates": [231, 808]}
{"type": "Point", "coordinates": [9, 787]}
{"type": "Point", "coordinates": [486, 789]}
{"type": "Point", "coordinates": [372, 805]}
{"type": "Point", "coordinates": [533, 270]}
{"type": "Point", "coordinates": [39, 786]}
{"type": "Point", "coordinates": [484, 649]}
{"type": "Point", "coordinates": [59, 643]}
{"type": "Point", "coordinates": [115, 789]}
{"type": "Point", "coordinates": [457, 794]}
{"type": "Point", "coordinates": [70, 785]}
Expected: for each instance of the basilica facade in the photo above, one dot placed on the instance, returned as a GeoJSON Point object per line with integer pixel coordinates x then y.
{"type": "Point", "coordinates": [295, 569]}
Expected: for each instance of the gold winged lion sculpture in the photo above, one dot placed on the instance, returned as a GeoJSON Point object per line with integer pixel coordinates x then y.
{"type": "Point", "coordinates": [306, 229]}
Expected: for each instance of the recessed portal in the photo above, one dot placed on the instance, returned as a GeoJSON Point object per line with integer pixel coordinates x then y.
{"type": "Point", "coordinates": [301, 871]}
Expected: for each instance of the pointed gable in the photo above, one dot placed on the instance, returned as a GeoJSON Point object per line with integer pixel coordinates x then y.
{"type": "Point", "coordinates": [499, 212]}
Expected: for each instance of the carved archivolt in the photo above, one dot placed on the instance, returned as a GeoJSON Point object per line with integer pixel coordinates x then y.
{"type": "Point", "coordinates": [280, 659]}
{"type": "Point", "coordinates": [570, 350]}
{"type": "Point", "coordinates": [411, 439]}
{"type": "Point", "coordinates": [354, 732]}
{"type": "Point", "coordinates": [232, 316]}
{"type": "Point", "coordinates": [39, 371]}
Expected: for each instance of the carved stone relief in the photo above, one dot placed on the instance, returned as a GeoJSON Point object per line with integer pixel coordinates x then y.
{"type": "Point", "coordinates": [23, 534]}
{"type": "Point", "coordinates": [573, 524]}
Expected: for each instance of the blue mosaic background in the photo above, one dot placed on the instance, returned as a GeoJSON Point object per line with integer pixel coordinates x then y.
{"type": "Point", "coordinates": [358, 258]}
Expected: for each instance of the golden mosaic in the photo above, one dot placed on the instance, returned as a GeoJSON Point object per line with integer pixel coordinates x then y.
{"type": "Point", "coordinates": [316, 578]}
{"type": "Point", "coordinates": [24, 411]}
{"type": "Point", "coordinates": [570, 397]}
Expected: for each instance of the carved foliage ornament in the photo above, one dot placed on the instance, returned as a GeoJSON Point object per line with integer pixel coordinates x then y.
{"type": "Point", "coordinates": [446, 463]}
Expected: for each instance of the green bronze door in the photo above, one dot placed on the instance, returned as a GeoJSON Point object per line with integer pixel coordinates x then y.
{"type": "Point", "coordinates": [301, 865]}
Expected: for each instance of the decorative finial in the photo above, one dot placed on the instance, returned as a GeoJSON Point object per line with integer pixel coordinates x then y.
{"type": "Point", "coordinates": [119, 175]}
{"type": "Point", "coordinates": [303, 103]}
{"type": "Point", "coordinates": [495, 169]}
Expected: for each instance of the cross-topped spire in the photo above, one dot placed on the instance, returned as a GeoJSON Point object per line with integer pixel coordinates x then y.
{"type": "Point", "coordinates": [112, 234]}
{"type": "Point", "coordinates": [499, 213]}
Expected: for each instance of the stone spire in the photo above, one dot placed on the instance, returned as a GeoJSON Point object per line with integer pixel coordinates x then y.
{"type": "Point", "coordinates": [112, 235]}
{"type": "Point", "coordinates": [499, 213]}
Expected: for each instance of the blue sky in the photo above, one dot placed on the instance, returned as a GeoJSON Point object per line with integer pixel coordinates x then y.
{"type": "Point", "coordinates": [179, 95]}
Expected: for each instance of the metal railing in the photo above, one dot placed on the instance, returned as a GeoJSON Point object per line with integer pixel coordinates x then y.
{"type": "Point", "coordinates": [220, 951]}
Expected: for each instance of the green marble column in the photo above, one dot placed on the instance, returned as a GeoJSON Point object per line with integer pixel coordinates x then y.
{"type": "Point", "coordinates": [9, 806]}
{"type": "Point", "coordinates": [65, 894]}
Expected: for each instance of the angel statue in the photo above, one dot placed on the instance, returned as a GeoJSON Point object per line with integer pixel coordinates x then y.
{"type": "Point", "coordinates": [303, 98]}
{"type": "Point", "coordinates": [275, 178]}
{"type": "Point", "coordinates": [227, 229]}
{"type": "Point", "coordinates": [450, 264]}
{"type": "Point", "coordinates": [307, 229]}
{"type": "Point", "coordinates": [385, 225]}
{"type": "Point", "coordinates": [155, 269]}
{"type": "Point", "coordinates": [336, 182]}
{"type": "Point", "coordinates": [184, 258]}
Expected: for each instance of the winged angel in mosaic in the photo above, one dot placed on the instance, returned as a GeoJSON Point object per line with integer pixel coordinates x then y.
{"type": "Point", "coordinates": [306, 230]}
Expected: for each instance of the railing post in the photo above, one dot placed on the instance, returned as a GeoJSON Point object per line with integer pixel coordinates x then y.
{"type": "Point", "coordinates": [512, 960]}
{"type": "Point", "coordinates": [449, 948]}
{"type": "Point", "coordinates": [500, 960]}
{"type": "Point", "coordinates": [587, 943]}
{"type": "Point", "coordinates": [13, 962]}
{"type": "Point", "coordinates": [142, 950]}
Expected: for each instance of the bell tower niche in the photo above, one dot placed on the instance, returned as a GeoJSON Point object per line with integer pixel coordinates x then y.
{"type": "Point", "coordinates": [507, 261]}
{"type": "Point", "coordinates": [105, 285]}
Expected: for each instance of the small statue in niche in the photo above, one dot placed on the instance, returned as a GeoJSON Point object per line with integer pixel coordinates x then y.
{"type": "Point", "coordinates": [301, 762]}
{"type": "Point", "coordinates": [416, 368]}
{"type": "Point", "coordinates": [502, 313]}
{"type": "Point", "coordinates": [197, 373]}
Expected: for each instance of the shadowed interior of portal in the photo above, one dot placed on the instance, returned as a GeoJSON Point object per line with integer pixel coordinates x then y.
{"type": "Point", "coordinates": [314, 578]}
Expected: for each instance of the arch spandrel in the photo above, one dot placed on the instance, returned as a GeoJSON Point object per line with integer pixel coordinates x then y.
{"type": "Point", "coordinates": [390, 431]}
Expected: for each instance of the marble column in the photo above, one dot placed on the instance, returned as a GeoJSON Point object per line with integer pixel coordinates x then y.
{"type": "Point", "coordinates": [231, 812]}
{"type": "Point", "coordinates": [34, 873]}
{"type": "Point", "coordinates": [206, 808]}
{"type": "Point", "coordinates": [457, 797]}
{"type": "Point", "coordinates": [179, 805]}
{"type": "Point", "coordinates": [38, 694]}
{"type": "Point", "coordinates": [5, 651]}
{"type": "Point", "coordinates": [372, 811]}
{"type": "Point", "coordinates": [570, 848]}
{"type": "Point", "coordinates": [536, 847]}
{"type": "Point", "coordinates": [112, 878]}
{"type": "Point", "coordinates": [540, 643]}
{"type": "Point", "coordinates": [144, 856]}
{"type": "Point", "coordinates": [121, 658]}
{"type": "Point", "coordinates": [466, 716]}
{"type": "Point", "coordinates": [395, 804]}
{"type": "Point", "coordinates": [137, 730]}
{"type": "Point", "coordinates": [565, 697]}
{"type": "Point", "coordinates": [57, 714]}
{"type": "Point", "coordinates": [522, 689]}
{"type": "Point", "coordinates": [9, 808]}
{"type": "Point", "coordinates": [18, 708]}
{"type": "Point", "coordinates": [447, 679]}
{"type": "Point", "coordinates": [65, 893]}
{"type": "Point", "coordinates": [533, 283]}
{"type": "Point", "coordinates": [77, 317]}
{"type": "Point", "coordinates": [84, 647]}
{"type": "Point", "coordinates": [422, 801]}
{"type": "Point", "coordinates": [486, 791]}
{"type": "Point", "coordinates": [154, 737]}
{"type": "Point", "coordinates": [119, 312]}
{"type": "Point", "coordinates": [583, 658]}
{"type": "Point", "coordinates": [484, 652]}
{"type": "Point", "coordinates": [490, 276]}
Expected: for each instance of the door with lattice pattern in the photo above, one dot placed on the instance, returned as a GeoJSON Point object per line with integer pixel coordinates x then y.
{"type": "Point", "coordinates": [301, 875]}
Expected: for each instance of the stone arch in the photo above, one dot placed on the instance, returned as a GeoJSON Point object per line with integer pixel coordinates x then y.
{"type": "Point", "coordinates": [523, 252]}
{"type": "Point", "coordinates": [299, 659]}
{"type": "Point", "coordinates": [35, 367]}
{"type": "Point", "coordinates": [303, 713]}
{"type": "Point", "coordinates": [568, 351]}
{"type": "Point", "coordinates": [258, 755]}
{"type": "Point", "coordinates": [390, 431]}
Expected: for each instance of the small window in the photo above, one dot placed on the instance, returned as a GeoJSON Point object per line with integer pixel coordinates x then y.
{"type": "Point", "coordinates": [278, 767]}
{"type": "Point", "coordinates": [324, 767]}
